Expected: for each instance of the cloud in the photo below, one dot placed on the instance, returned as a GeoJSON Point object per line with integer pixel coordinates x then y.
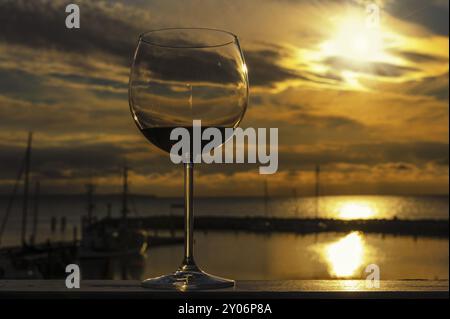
{"type": "Point", "coordinates": [188, 65]}
{"type": "Point", "coordinates": [105, 30]}
{"type": "Point", "coordinates": [417, 154]}
{"type": "Point", "coordinates": [435, 86]}
{"type": "Point", "coordinates": [263, 68]}
{"type": "Point", "coordinates": [72, 159]}
{"type": "Point", "coordinates": [374, 68]}
{"type": "Point", "coordinates": [418, 57]}
{"type": "Point", "coordinates": [24, 86]}
{"type": "Point", "coordinates": [70, 87]}
{"type": "Point", "coordinates": [434, 15]}
{"type": "Point", "coordinates": [65, 168]}
{"type": "Point", "coordinates": [41, 24]}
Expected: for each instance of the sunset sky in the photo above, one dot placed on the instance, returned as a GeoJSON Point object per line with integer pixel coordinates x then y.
{"type": "Point", "coordinates": [368, 104]}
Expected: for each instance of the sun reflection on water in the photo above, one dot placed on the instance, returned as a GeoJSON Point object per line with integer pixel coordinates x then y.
{"type": "Point", "coordinates": [346, 255]}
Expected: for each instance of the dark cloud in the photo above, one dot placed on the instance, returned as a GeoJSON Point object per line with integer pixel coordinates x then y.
{"type": "Point", "coordinates": [90, 80]}
{"type": "Point", "coordinates": [417, 152]}
{"type": "Point", "coordinates": [402, 167]}
{"type": "Point", "coordinates": [327, 76]}
{"type": "Point", "coordinates": [375, 68]}
{"type": "Point", "coordinates": [76, 160]}
{"type": "Point", "coordinates": [325, 121]}
{"type": "Point", "coordinates": [406, 155]}
{"type": "Point", "coordinates": [263, 69]}
{"type": "Point", "coordinates": [436, 86]}
{"type": "Point", "coordinates": [433, 86]}
{"type": "Point", "coordinates": [396, 156]}
{"type": "Point", "coordinates": [53, 161]}
{"type": "Point", "coordinates": [433, 15]}
{"type": "Point", "coordinates": [41, 24]}
{"type": "Point", "coordinates": [417, 57]}
{"type": "Point", "coordinates": [214, 65]}
{"type": "Point", "coordinates": [24, 86]}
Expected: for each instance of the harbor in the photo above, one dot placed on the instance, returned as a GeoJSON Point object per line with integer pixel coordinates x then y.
{"type": "Point", "coordinates": [125, 235]}
{"type": "Point", "coordinates": [431, 228]}
{"type": "Point", "coordinates": [98, 240]}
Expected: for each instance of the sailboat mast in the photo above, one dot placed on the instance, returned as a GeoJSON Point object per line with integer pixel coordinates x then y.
{"type": "Point", "coordinates": [317, 189]}
{"type": "Point", "coordinates": [26, 189]}
{"type": "Point", "coordinates": [35, 211]}
{"type": "Point", "coordinates": [125, 192]}
{"type": "Point", "coordinates": [11, 200]}
{"type": "Point", "coordinates": [90, 199]}
{"type": "Point", "coordinates": [266, 198]}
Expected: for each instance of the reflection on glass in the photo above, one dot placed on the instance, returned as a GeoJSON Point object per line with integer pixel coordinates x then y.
{"type": "Point", "coordinates": [346, 255]}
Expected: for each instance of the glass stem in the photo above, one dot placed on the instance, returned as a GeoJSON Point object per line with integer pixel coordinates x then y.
{"type": "Point", "coordinates": [188, 215]}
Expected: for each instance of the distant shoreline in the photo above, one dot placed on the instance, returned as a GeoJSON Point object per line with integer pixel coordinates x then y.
{"type": "Point", "coordinates": [422, 227]}
{"type": "Point", "coordinates": [140, 195]}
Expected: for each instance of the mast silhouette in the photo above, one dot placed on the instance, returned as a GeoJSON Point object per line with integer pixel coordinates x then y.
{"type": "Point", "coordinates": [37, 188]}
{"type": "Point", "coordinates": [90, 198]}
{"type": "Point", "coordinates": [266, 199]}
{"type": "Point", "coordinates": [295, 197]}
{"type": "Point", "coordinates": [11, 199]}
{"type": "Point", "coordinates": [26, 190]}
{"type": "Point", "coordinates": [317, 189]}
{"type": "Point", "coordinates": [125, 209]}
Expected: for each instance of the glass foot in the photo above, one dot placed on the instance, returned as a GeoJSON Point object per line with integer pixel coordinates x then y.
{"type": "Point", "coordinates": [187, 278]}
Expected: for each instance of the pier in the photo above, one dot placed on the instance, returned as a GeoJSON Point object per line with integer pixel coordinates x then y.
{"type": "Point", "coordinates": [423, 227]}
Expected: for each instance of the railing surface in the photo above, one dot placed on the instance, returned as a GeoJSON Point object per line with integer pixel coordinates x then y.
{"type": "Point", "coordinates": [292, 289]}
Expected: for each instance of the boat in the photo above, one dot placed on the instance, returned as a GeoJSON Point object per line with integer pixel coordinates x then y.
{"type": "Point", "coordinates": [104, 240]}
{"type": "Point", "coordinates": [31, 260]}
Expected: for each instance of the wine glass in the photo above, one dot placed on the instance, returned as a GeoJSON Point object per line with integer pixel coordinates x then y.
{"type": "Point", "coordinates": [180, 75]}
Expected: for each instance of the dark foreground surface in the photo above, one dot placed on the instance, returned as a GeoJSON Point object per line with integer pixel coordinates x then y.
{"type": "Point", "coordinates": [301, 289]}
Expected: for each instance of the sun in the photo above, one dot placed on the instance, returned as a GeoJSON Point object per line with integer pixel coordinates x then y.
{"type": "Point", "coordinates": [354, 40]}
